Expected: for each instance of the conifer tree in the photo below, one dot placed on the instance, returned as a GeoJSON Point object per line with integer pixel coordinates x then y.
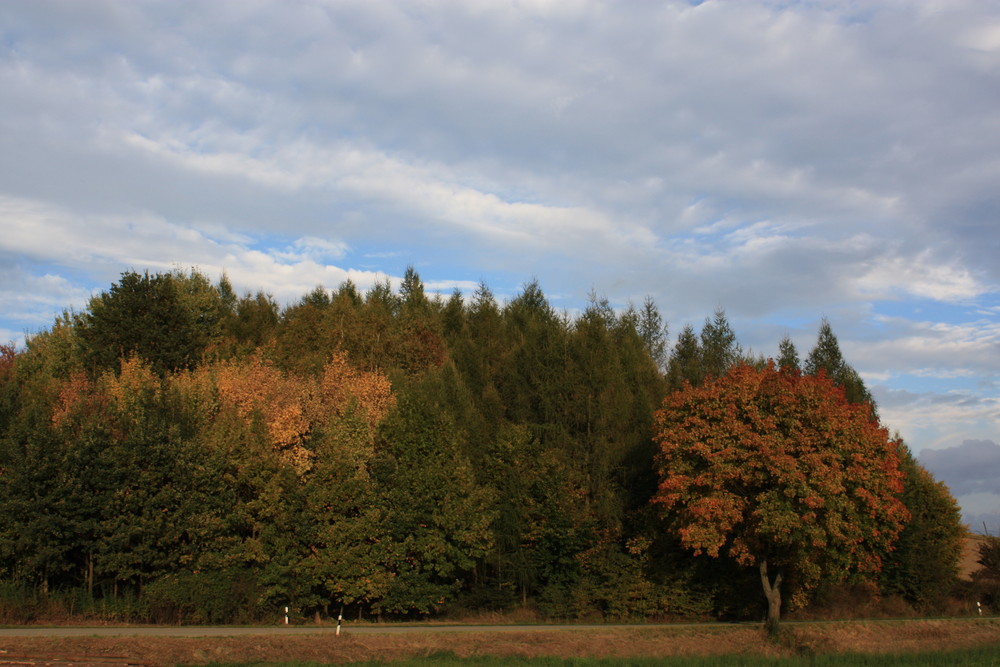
{"type": "Point", "coordinates": [348, 291]}
{"type": "Point", "coordinates": [411, 293]}
{"type": "Point", "coordinates": [826, 357]}
{"type": "Point", "coordinates": [825, 354]}
{"type": "Point", "coordinates": [253, 323]}
{"type": "Point", "coordinates": [437, 517]}
{"type": "Point", "coordinates": [453, 317]}
{"type": "Point", "coordinates": [685, 362]}
{"type": "Point", "coordinates": [788, 356]}
{"type": "Point", "coordinates": [304, 340]}
{"type": "Point", "coordinates": [719, 349]}
{"type": "Point", "coordinates": [653, 331]}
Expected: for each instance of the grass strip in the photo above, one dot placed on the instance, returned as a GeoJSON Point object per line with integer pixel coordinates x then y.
{"type": "Point", "coordinates": [969, 657]}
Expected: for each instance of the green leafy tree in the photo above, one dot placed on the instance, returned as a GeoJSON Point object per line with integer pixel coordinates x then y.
{"type": "Point", "coordinates": [207, 305]}
{"type": "Point", "coordinates": [987, 578]}
{"type": "Point", "coordinates": [305, 339]}
{"type": "Point", "coordinates": [253, 322]}
{"type": "Point", "coordinates": [378, 322]}
{"type": "Point", "coordinates": [143, 491]}
{"type": "Point", "coordinates": [381, 297]}
{"type": "Point", "coordinates": [346, 556]}
{"type": "Point", "coordinates": [48, 517]}
{"type": "Point", "coordinates": [479, 356]}
{"type": "Point", "coordinates": [8, 386]}
{"type": "Point", "coordinates": [923, 568]}
{"type": "Point", "coordinates": [778, 471]}
{"type": "Point", "coordinates": [598, 414]}
{"type": "Point", "coordinates": [55, 353]}
{"type": "Point", "coordinates": [40, 535]}
{"type": "Point", "coordinates": [161, 318]}
{"type": "Point", "coordinates": [437, 517]}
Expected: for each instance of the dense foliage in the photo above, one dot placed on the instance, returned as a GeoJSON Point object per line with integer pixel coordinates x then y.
{"type": "Point", "coordinates": [178, 452]}
{"type": "Point", "coordinates": [778, 470]}
{"type": "Point", "coordinates": [923, 566]}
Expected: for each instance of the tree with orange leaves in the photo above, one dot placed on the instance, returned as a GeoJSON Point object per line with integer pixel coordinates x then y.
{"type": "Point", "coordinates": [777, 470]}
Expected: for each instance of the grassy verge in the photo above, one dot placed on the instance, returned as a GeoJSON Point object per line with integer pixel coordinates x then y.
{"type": "Point", "coordinates": [973, 657]}
{"type": "Point", "coordinates": [928, 642]}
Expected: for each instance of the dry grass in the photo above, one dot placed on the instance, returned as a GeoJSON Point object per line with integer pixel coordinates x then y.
{"type": "Point", "coordinates": [969, 562]}
{"type": "Point", "coordinates": [845, 637]}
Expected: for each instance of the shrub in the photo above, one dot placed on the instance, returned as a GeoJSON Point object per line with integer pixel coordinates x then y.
{"type": "Point", "coordinates": [214, 597]}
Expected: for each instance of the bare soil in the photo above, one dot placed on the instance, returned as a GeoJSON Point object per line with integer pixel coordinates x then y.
{"type": "Point", "coordinates": [839, 637]}
{"type": "Point", "coordinates": [969, 562]}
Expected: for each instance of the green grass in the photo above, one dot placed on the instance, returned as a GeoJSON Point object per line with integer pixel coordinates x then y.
{"type": "Point", "coordinates": [977, 657]}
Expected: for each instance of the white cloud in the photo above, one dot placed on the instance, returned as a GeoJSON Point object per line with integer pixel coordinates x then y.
{"type": "Point", "coordinates": [103, 247]}
{"type": "Point", "coordinates": [781, 160]}
{"type": "Point", "coordinates": [34, 300]}
{"type": "Point", "coordinates": [430, 190]}
{"type": "Point", "coordinates": [933, 349]}
{"type": "Point", "coordinates": [321, 248]}
{"type": "Point", "coordinates": [920, 276]}
{"type": "Point", "coordinates": [938, 419]}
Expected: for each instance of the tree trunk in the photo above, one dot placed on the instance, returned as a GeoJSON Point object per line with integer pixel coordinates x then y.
{"type": "Point", "coordinates": [772, 591]}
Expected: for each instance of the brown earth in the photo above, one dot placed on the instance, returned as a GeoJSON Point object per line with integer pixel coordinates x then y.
{"type": "Point", "coordinates": [969, 562]}
{"type": "Point", "coordinates": [838, 637]}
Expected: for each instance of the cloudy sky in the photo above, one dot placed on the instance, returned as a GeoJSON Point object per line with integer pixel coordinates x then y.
{"type": "Point", "coordinates": [783, 160]}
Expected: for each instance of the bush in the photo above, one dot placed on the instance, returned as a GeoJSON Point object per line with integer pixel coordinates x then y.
{"type": "Point", "coordinates": [215, 597]}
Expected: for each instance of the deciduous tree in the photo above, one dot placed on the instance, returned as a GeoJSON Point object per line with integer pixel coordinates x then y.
{"type": "Point", "coordinates": [924, 566]}
{"type": "Point", "coordinates": [166, 319]}
{"type": "Point", "coordinates": [779, 471]}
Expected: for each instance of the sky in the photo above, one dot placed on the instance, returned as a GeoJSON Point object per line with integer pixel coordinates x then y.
{"type": "Point", "coordinates": [782, 160]}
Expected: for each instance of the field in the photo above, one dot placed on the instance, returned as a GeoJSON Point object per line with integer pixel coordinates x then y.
{"type": "Point", "coordinates": [614, 645]}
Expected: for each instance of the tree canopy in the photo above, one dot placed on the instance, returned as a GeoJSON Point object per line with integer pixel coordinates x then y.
{"type": "Point", "coordinates": [923, 566]}
{"type": "Point", "coordinates": [778, 470]}
{"type": "Point", "coordinates": [194, 454]}
{"type": "Point", "coordinates": [826, 357]}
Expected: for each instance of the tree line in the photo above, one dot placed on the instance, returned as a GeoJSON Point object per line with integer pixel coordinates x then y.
{"type": "Point", "coordinates": [176, 451]}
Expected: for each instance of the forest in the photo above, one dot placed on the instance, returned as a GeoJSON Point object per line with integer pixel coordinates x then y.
{"type": "Point", "coordinates": [177, 452]}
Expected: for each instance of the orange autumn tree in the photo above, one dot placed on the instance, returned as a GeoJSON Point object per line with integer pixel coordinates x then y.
{"type": "Point", "coordinates": [255, 386]}
{"type": "Point", "coordinates": [292, 404]}
{"type": "Point", "coordinates": [778, 470]}
{"type": "Point", "coordinates": [344, 386]}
